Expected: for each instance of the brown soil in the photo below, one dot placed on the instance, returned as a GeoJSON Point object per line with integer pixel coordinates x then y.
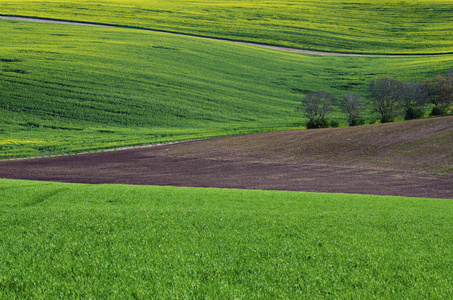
{"type": "Point", "coordinates": [402, 159]}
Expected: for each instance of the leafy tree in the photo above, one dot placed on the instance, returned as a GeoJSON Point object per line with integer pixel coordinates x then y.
{"type": "Point", "coordinates": [352, 105]}
{"type": "Point", "coordinates": [316, 106]}
{"type": "Point", "coordinates": [387, 94]}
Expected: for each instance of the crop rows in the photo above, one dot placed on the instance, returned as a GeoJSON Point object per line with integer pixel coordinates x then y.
{"type": "Point", "coordinates": [67, 89]}
{"type": "Point", "coordinates": [365, 26]}
{"type": "Point", "coordinates": [84, 88]}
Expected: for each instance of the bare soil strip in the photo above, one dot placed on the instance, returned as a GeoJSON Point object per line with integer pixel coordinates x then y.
{"type": "Point", "coordinates": [280, 48]}
{"type": "Point", "coordinates": [400, 159]}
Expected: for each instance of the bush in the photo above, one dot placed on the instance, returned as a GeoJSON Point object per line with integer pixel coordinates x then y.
{"type": "Point", "coordinates": [321, 123]}
{"type": "Point", "coordinates": [386, 119]}
{"type": "Point", "coordinates": [334, 123]}
{"type": "Point", "coordinates": [414, 113]}
{"type": "Point", "coordinates": [439, 111]}
{"type": "Point", "coordinates": [317, 123]}
{"type": "Point", "coordinates": [359, 122]}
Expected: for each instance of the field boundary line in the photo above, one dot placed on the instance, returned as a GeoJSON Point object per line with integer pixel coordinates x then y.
{"type": "Point", "coordinates": [95, 151]}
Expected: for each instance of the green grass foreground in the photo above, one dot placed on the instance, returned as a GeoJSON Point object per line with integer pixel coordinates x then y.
{"type": "Point", "coordinates": [116, 241]}
{"type": "Point", "coordinates": [75, 88]}
{"type": "Point", "coordinates": [364, 26]}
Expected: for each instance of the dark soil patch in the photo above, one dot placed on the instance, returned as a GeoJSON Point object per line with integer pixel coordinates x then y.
{"type": "Point", "coordinates": [400, 159]}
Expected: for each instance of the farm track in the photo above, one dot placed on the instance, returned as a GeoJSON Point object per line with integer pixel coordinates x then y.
{"type": "Point", "coordinates": [279, 48]}
{"type": "Point", "coordinates": [411, 158]}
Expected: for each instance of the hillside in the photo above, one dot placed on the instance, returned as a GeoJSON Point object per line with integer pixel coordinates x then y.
{"type": "Point", "coordinates": [412, 158]}
{"type": "Point", "coordinates": [73, 88]}
{"type": "Point", "coordinates": [224, 195]}
{"type": "Point", "coordinates": [359, 26]}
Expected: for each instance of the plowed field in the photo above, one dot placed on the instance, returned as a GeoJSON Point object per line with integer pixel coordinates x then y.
{"type": "Point", "coordinates": [413, 158]}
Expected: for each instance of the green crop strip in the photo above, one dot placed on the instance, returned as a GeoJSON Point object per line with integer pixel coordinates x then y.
{"type": "Point", "coordinates": [73, 88]}
{"type": "Point", "coordinates": [364, 26]}
{"type": "Point", "coordinates": [114, 241]}
{"type": "Point", "coordinates": [444, 171]}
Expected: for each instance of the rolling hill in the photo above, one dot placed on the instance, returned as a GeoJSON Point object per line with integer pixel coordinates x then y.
{"type": "Point", "coordinates": [67, 89]}
{"type": "Point", "coordinates": [412, 158]}
{"type": "Point", "coordinates": [73, 89]}
{"type": "Point", "coordinates": [359, 26]}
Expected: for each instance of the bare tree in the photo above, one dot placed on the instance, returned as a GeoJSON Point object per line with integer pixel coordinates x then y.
{"type": "Point", "coordinates": [387, 94]}
{"type": "Point", "coordinates": [352, 105]}
{"type": "Point", "coordinates": [414, 99]}
{"type": "Point", "coordinates": [316, 106]}
{"type": "Point", "coordinates": [440, 93]}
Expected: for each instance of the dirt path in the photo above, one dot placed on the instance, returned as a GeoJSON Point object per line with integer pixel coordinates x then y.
{"type": "Point", "coordinates": [41, 20]}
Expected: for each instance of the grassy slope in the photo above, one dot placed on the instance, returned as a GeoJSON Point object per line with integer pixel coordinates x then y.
{"type": "Point", "coordinates": [369, 26]}
{"type": "Point", "coordinates": [70, 88]}
{"type": "Point", "coordinates": [83, 241]}
{"type": "Point", "coordinates": [106, 241]}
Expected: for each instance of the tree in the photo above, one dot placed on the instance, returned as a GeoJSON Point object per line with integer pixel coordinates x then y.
{"type": "Point", "coordinates": [316, 106]}
{"type": "Point", "coordinates": [387, 94]}
{"type": "Point", "coordinates": [352, 105]}
{"type": "Point", "coordinates": [414, 98]}
{"type": "Point", "coordinates": [440, 93]}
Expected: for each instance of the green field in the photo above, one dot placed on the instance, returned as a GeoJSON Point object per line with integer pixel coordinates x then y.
{"type": "Point", "coordinates": [83, 241]}
{"type": "Point", "coordinates": [76, 88]}
{"type": "Point", "coordinates": [67, 89]}
{"type": "Point", "coordinates": [365, 26]}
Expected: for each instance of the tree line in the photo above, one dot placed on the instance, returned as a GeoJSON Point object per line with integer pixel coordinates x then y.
{"type": "Point", "coordinates": [390, 98]}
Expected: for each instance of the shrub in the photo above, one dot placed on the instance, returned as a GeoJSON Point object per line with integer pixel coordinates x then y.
{"type": "Point", "coordinates": [372, 121]}
{"type": "Point", "coordinates": [359, 122]}
{"type": "Point", "coordinates": [321, 123]}
{"type": "Point", "coordinates": [334, 123]}
{"type": "Point", "coordinates": [386, 119]}
{"type": "Point", "coordinates": [414, 113]}
{"type": "Point", "coordinates": [439, 111]}
{"type": "Point", "coordinates": [317, 123]}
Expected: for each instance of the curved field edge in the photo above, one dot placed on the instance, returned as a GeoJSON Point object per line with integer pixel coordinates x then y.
{"type": "Point", "coordinates": [162, 242]}
{"type": "Point", "coordinates": [67, 89]}
{"type": "Point", "coordinates": [365, 26]}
